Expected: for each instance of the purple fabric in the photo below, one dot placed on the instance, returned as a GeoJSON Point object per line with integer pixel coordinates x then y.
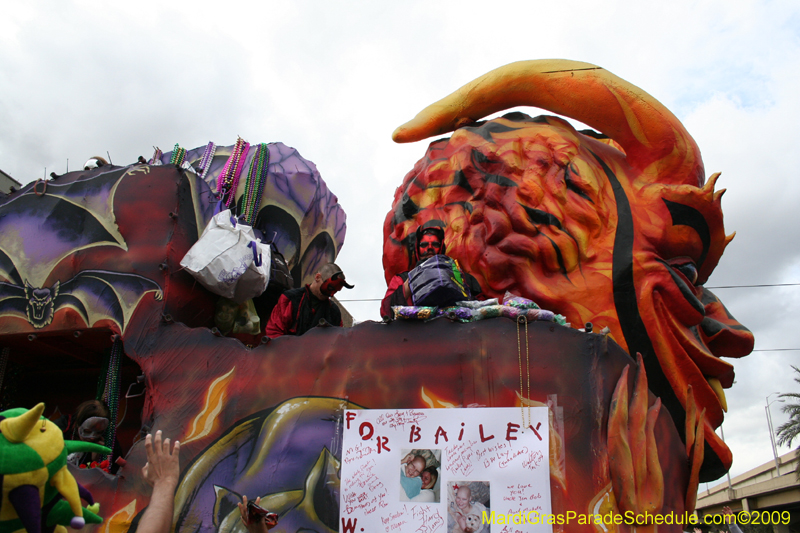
{"type": "Point", "coordinates": [85, 494]}
{"type": "Point", "coordinates": [461, 314]}
{"type": "Point", "coordinates": [518, 301]}
{"type": "Point", "coordinates": [530, 315]}
{"type": "Point", "coordinates": [495, 311]}
{"type": "Point", "coordinates": [412, 312]}
{"type": "Point", "coordinates": [546, 315]}
{"type": "Point", "coordinates": [26, 502]}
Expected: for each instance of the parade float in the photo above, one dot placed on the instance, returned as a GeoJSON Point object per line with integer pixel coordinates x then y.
{"type": "Point", "coordinates": [616, 226]}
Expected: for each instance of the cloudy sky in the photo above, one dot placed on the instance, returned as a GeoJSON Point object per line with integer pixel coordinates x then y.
{"type": "Point", "coordinates": [333, 79]}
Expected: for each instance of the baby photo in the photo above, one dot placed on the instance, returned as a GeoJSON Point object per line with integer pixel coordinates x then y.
{"type": "Point", "coordinates": [466, 503]}
{"type": "Point", "coordinates": [419, 475]}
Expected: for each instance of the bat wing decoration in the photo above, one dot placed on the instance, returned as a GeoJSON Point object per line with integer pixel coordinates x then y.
{"type": "Point", "coordinates": [40, 227]}
{"type": "Point", "coordinates": [95, 294]}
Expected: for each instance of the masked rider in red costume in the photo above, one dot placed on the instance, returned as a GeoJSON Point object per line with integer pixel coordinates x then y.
{"type": "Point", "coordinates": [299, 310]}
{"type": "Point", "coordinates": [430, 242]}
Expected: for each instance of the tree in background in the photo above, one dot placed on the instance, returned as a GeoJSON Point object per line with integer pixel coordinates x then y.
{"type": "Point", "coordinates": [791, 430]}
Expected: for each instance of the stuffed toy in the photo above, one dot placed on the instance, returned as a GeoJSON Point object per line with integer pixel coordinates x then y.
{"type": "Point", "coordinates": [39, 493]}
{"type": "Point", "coordinates": [232, 317]}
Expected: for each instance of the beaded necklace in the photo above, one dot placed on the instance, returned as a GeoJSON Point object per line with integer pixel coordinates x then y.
{"type": "Point", "coordinates": [205, 161]}
{"type": "Point", "coordinates": [111, 395]}
{"type": "Point", "coordinates": [228, 178]}
{"type": "Point", "coordinates": [236, 175]}
{"type": "Point", "coordinates": [156, 159]}
{"type": "Point", "coordinates": [524, 399]}
{"type": "Point", "coordinates": [256, 179]}
{"type": "Point", "coordinates": [178, 155]}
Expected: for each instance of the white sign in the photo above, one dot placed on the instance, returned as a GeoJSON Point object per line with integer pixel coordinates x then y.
{"type": "Point", "coordinates": [445, 470]}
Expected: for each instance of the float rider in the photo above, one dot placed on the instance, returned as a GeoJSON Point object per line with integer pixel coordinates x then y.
{"type": "Point", "coordinates": [429, 242]}
{"type": "Point", "coordinates": [299, 310]}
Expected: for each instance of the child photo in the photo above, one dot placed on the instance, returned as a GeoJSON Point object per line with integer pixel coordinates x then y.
{"type": "Point", "coordinates": [466, 503]}
{"type": "Point", "coordinates": [419, 475]}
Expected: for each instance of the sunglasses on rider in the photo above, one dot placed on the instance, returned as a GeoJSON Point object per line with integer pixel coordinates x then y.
{"type": "Point", "coordinates": [424, 245]}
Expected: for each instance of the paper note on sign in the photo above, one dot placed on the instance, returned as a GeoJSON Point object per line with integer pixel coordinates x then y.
{"type": "Point", "coordinates": [443, 470]}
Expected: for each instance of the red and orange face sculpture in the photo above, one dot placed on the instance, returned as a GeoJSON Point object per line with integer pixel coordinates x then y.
{"type": "Point", "coordinates": [619, 229]}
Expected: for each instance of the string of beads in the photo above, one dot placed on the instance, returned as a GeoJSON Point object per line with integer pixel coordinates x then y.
{"type": "Point", "coordinates": [522, 399]}
{"type": "Point", "coordinates": [111, 394]}
{"type": "Point", "coordinates": [156, 159]}
{"type": "Point", "coordinates": [256, 179]}
{"type": "Point", "coordinates": [178, 155]}
{"type": "Point", "coordinates": [228, 179]}
{"type": "Point", "coordinates": [236, 175]}
{"type": "Point", "coordinates": [205, 161]}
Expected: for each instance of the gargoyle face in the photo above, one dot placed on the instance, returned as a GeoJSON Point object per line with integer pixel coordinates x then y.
{"type": "Point", "coordinates": [622, 234]}
{"type": "Point", "coordinates": [40, 304]}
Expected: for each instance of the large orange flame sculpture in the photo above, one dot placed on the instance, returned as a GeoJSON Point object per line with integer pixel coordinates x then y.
{"type": "Point", "coordinates": [618, 228]}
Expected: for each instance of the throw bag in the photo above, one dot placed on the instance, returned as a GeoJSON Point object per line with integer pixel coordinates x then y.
{"type": "Point", "coordinates": [437, 282]}
{"type": "Point", "coordinates": [228, 260]}
{"type": "Point", "coordinates": [280, 277]}
{"type": "Point", "coordinates": [280, 280]}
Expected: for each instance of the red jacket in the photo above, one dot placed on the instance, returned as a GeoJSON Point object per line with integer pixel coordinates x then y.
{"type": "Point", "coordinates": [294, 313]}
{"type": "Point", "coordinates": [394, 295]}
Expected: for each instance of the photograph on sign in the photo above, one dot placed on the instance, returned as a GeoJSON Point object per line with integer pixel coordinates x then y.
{"type": "Point", "coordinates": [444, 470]}
{"type": "Point", "coordinates": [467, 501]}
{"type": "Point", "coordinates": [419, 475]}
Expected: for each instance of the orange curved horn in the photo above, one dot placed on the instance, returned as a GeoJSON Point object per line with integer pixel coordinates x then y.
{"type": "Point", "coordinates": [654, 140]}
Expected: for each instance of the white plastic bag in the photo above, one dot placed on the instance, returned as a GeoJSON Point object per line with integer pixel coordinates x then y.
{"type": "Point", "coordinates": [228, 260]}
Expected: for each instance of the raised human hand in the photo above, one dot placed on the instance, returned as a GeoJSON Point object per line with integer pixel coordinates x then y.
{"type": "Point", "coordinates": [162, 464]}
{"type": "Point", "coordinates": [257, 526]}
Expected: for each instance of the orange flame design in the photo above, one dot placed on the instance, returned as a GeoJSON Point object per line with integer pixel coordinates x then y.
{"type": "Point", "coordinates": [121, 520]}
{"type": "Point", "coordinates": [205, 422]}
{"type": "Point", "coordinates": [433, 401]}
